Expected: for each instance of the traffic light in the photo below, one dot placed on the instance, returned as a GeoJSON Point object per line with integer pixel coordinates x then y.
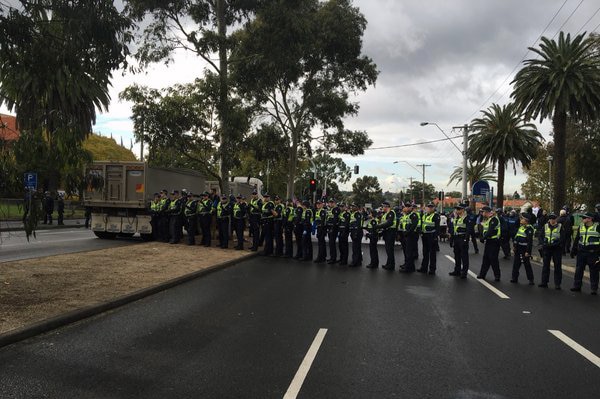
{"type": "Point", "coordinates": [355, 169]}
{"type": "Point", "coordinates": [441, 195]}
{"type": "Point", "coordinates": [312, 184]}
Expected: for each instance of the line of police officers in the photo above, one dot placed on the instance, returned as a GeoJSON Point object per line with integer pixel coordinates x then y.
{"type": "Point", "coordinates": [276, 226]}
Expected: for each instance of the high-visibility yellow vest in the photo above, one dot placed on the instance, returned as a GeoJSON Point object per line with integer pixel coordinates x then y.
{"type": "Point", "coordinates": [589, 236]}
{"type": "Point", "coordinates": [486, 226]}
{"type": "Point", "coordinates": [552, 235]}
{"type": "Point", "coordinates": [428, 226]}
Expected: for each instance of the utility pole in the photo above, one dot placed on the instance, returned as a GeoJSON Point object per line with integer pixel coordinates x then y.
{"type": "Point", "coordinates": [465, 129]}
{"type": "Point", "coordinates": [423, 187]}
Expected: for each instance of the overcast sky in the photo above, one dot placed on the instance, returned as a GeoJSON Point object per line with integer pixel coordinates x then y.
{"type": "Point", "coordinates": [440, 61]}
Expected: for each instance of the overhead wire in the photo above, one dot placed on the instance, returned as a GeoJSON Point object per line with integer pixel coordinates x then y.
{"type": "Point", "coordinates": [413, 144]}
{"type": "Point", "coordinates": [520, 61]}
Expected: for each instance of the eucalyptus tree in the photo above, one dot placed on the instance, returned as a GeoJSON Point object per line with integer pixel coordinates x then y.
{"type": "Point", "coordinates": [564, 82]}
{"type": "Point", "coordinates": [302, 62]}
{"type": "Point", "coordinates": [500, 137]}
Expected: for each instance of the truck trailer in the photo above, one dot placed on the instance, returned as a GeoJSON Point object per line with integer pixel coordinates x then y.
{"type": "Point", "coordinates": [119, 195]}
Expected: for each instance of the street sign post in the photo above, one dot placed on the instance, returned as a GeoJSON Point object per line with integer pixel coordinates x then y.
{"type": "Point", "coordinates": [30, 181]}
{"type": "Point", "coordinates": [481, 188]}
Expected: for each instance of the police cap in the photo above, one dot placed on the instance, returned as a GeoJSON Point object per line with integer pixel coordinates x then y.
{"type": "Point", "coordinates": [486, 209]}
{"type": "Point", "coordinates": [588, 215]}
{"type": "Point", "coordinates": [305, 203]}
{"type": "Point", "coordinates": [430, 205]}
{"type": "Point", "coordinates": [552, 215]}
{"type": "Point", "coordinates": [385, 203]}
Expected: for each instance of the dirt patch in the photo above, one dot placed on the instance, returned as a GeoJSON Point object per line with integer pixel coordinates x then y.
{"type": "Point", "coordinates": [36, 289]}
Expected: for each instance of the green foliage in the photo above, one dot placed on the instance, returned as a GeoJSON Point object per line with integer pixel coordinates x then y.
{"type": "Point", "coordinates": [10, 183]}
{"type": "Point", "coordinates": [303, 79]}
{"type": "Point", "coordinates": [584, 162]}
{"type": "Point", "coordinates": [563, 81]}
{"type": "Point", "coordinates": [106, 149]}
{"type": "Point", "coordinates": [501, 137]}
{"type": "Point", "coordinates": [366, 189]}
{"type": "Point", "coordinates": [414, 193]}
{"type": "Point", "coordinates": [475, 172]}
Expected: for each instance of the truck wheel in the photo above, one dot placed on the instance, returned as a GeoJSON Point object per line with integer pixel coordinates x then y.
{"type": "Point", "coordinates": [147, 237]}
{"type": "Point", "coordinates": [105, 235]}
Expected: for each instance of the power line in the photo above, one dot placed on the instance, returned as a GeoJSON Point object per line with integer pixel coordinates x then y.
{"type": "Point", "coordinates": [568, 18]}
{"type": "Point", "coordinates": [518, 63]}
{"type": "Point", "coordinates": [588, 21]}
{"type": "Point", "coordinates": [413, 144]}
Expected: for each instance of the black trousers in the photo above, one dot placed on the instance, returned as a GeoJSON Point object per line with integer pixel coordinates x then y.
{"type": "Point", "coordinates": [490, 258]}
{"type": "Point", "coordinates": [267, 234]}
{"type": "Point", "coordinates": [154, 224]}
{"type": "Point", "coordinates": [205, 227]}
{"type": "Point", "coordinates": [389, 238]}
{"type": "Point", "coordinates": [343, 246]}
{"type": "Point", "coordinates": [298, 230]}
{"type": "Point", "coordinates": [474, 241]}
{"type": "Point", "coordinates": [163, 227]}
{"type": "Point", "coordinates": [505, 245]}
{"type": "Point", "coordinates": [461, 254]}
{"type": "Point", "coordinates": [402, 239]}
{"type": "Point", "coordinates": [321, 244]}
{"type": "Point", "coordinates": [412, 242]}
{"type": "Point", "coordinates": [239, 225]}
{"type": "Point", "coordinates": [553, 254]}
{"type": "Point", "coordinates": [520, 258]}
{"type": "Point", "coordinates": [307, 248]}
{"type": "Point", "coordinates": [192, 225]}
{"type": "Point", "coordinates": [429, 252]}
{"type": "Point", "coordinates": [356, 235]}
{"type": "Point", "coordinates": [289, 240]}
{"type": "Point", "coordinates": [589, 259]}
{"type": "Point", "coordinates": [278, 235]}
{"type": "Point", "coordinates": [175, 226]}
{"type": "Point", "coordinates": [223, 224]}
{"type": "Point", "coordinates": [333, 233]}
{"type": "Point", "coordinates": [373, 253]}
{"type": "Point", "coordinates": [255, 230]}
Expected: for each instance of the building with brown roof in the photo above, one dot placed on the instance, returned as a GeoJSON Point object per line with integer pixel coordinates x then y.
{"type": "Point", "coordinates": [8, 128]}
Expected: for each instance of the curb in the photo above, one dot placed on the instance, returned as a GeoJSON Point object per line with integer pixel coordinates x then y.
{"type": "Point", "coordinates": [44, 326]}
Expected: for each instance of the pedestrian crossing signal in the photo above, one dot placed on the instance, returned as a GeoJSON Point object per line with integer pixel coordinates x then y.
{"type": "Point", "coordinates": [312, 184]}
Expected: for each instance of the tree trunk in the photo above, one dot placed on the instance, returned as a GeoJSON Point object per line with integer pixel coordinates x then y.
{"type": "Point", "coordinates": [500, 193]}
{"type": "Point", "coordinates": [225, 144]}
{"type": "Point", "coordinates": [293, 164]}
{"type": "Point", "coordinates": [559, 124]}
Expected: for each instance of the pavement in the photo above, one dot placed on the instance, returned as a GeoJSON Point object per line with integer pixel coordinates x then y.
{"type": "Point", "coordinates": [245, 331]}
{"type": "Point", "coordinates": [17, 225]}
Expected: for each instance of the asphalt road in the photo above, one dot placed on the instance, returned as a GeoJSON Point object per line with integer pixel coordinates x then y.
{"type": "Point", "coordinates": [244, 331]}
{"type": "Point", "coordinates": [14, 244]}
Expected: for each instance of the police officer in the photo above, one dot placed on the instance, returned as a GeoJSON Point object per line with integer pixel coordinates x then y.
{"type": "Point", "coordinates": [239, 220]}
{"type": "Point", "coordinates": [388, 227]}
{"type": "Point", "coordinates": [175, 216]}
{"type": "Point", "coordinates": [333, 220]}
{"type": "Point", "coordinates": [255, 210]}
{"type": "Point", "coordinates": [430, 230]}
{"type": "Point", "coordinates": [490, 236]}
{"type": "Point", "coordinates": [48, 207]}
{"type": "Point", "coordinates": [163, 221]}
{"type": "Point", "coordinates": [371, 224]}
{"type": "Point", "coordinates": [288, 224]}
{"type": "Point", "coordinates": [299, 229]}
{"type": "Point", "coordinates": [308, 216]}
{"type": "Point", "coordinates": [356, 234]}
{"type": "Point", "coordinates": [191, 218]}
{"type": "Point", "coordinates": [154, 215]}
{"type": "Point", "coordinates": [205, 211]}
{"type": "Point", "coordinates": [523, 244]}
{"type": "Point", "coordinates": [474, 222]}
{"type": "Point", "coordinates": [587, 249]}
{"type": "Point", "coordinates": [266, 221]}
{"type": "Point", "coordinates": [459, 240]}
{"type": "Point", "coordinates": [504, 233]}
{"type": "Point", "coordinates": [412, 227]}
{"type": "Point", "coordinates": [554, 237]}
{"type": "Point", "coordinates": [321, 221]}
{"type": "Point", "coordinates": [278, 225]}
{"type": "Point", "coordinates": [597, 215]}
{"type": "Point", "coordinates": [60, 208]}
{"type": "Point", "coordinates": [344, 232]}
{"type": "Point", "coordinates": [402, 221]}
{"type": "Point", "coordinates": [224, 211]}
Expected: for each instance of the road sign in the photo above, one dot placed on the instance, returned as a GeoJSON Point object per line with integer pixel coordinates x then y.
{"type": "Point", "coordinates": [30, 180]}
{"type": "Point", "coordinates": [479, 198]}
{"type": "Point", "coordinates": [481, 187]}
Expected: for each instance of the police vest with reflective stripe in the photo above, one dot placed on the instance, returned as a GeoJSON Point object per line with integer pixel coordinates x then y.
{"type": "Point", "coordinates": [486, 226]}
{"type": "Point", "coordinates": [220, 209]}
{"type": "Point", "coordinates": [254, 204]}
{"type": "Point", "coordinates": [266, 212]}
{"type": "Point", "coordinates": [404, 219]}
{"type": "Point", "coordinates": [589, 236]}
{"type": "Point", "coordinates": [460, 226]}
{"type": "Point", "coordinates": [237, 211]}
{"type": "Point", "coordinates": [190, 208]}
{"type": "Point", "coordinates": [521, 236]}
{"type": "Point", "coordinates": [428, 225]}
{"type": "Point", "coordinates": [552, 236]}
{"type": "Point", "coordinates": [385, 217]}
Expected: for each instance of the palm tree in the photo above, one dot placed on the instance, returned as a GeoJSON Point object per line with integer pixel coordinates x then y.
{"type": "Point", "coordinates": [502, 136]}
{"type": "Point", "coordinates": [475, 172]}
{"type": "Point", "coordinates": [565, 82]}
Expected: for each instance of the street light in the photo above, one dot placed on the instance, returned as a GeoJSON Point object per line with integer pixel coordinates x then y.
{"type": "Point", "coordinates": [409, 164]}
{"type": "Point", "coordinates": [463, 152]}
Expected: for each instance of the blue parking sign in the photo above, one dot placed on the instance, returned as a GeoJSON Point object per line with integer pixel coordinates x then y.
{"type": "Point", "coordinates": [31, 180]}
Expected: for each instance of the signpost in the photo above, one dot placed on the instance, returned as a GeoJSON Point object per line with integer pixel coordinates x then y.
{"type": "Point", "coordinates": [30, 181]}
{"type": "Point", "coordinates": [481, 190]}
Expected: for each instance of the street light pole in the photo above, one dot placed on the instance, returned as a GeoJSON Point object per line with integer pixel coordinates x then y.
{"type": "Point", "coordinates": [550, 178]}
{"type": "Point", "coordinates": [423, 187]}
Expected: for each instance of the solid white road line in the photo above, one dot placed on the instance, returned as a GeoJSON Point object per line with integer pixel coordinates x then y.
{"type": "Point", "coordinates": [483, 282]}
{"type": "Point", "coordinates": [576, 347]}
{"type": "Point", "coordinates": [298, 380]}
